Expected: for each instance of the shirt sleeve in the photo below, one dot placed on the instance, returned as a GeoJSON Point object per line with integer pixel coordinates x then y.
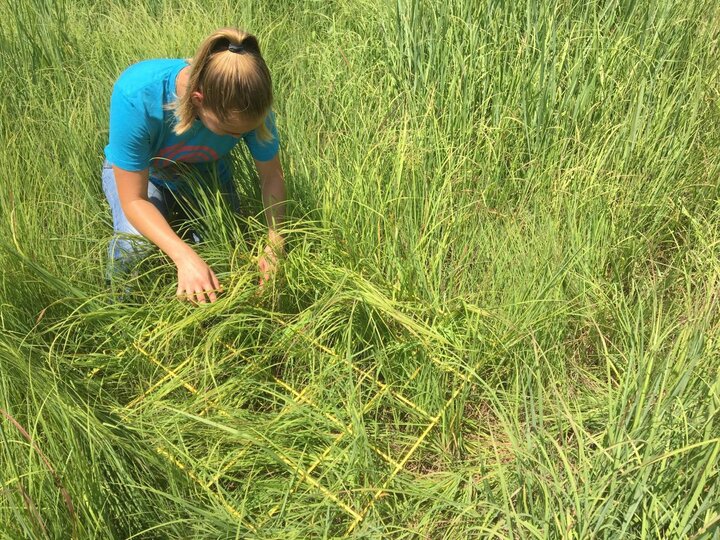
{"type": "Point", "coordinates": [129, 146]}
{"type": "Point", "coordinates": [264, 150]}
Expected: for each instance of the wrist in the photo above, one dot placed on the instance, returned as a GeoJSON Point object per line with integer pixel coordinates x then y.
{"type": "Point", "coordinates": [275, 240]}
{"type": "Point", "coordinates": [182, 254]}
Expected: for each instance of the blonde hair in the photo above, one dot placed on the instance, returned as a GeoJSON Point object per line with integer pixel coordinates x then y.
{"type": "Point", "coordinates": [232, 83]}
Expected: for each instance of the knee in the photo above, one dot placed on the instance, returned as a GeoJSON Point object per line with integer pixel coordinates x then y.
{"type": "Point", "coordinates": [125, 251]}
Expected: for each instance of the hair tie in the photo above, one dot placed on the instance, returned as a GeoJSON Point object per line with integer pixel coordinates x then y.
{"type": "Point", "coordinates": [232, 47]}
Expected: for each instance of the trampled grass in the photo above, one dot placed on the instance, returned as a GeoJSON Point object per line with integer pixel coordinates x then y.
{"type": "Point", "coordinates": [498, 313]}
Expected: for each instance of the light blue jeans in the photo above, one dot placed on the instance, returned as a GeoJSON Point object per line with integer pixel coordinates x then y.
{"type": "Point", "coordinates": [127, 246]}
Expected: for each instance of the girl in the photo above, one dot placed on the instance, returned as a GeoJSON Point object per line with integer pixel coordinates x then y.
{"type": "Point", "coordinates": [168, 116]}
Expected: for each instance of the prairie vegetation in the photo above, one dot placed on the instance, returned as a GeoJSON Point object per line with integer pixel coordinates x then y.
{"type": "Point", "coordinates": [497, 316]}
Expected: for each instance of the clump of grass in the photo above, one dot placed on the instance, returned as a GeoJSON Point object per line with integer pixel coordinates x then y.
{"type": "Point", "coordinates": [497, 316]}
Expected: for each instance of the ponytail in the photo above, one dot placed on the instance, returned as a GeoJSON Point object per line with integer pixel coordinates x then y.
{"type": "Point", "coordinates": [232, 75]}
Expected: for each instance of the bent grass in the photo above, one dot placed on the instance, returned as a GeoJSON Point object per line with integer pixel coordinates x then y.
{"type": "Point", "coordinates": [498, 312]}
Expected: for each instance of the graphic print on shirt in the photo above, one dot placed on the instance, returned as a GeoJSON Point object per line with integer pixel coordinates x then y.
{"type": "Point", "coordinates": [185, 153]}
{"type": "Point", "coordinates": [198, 147]}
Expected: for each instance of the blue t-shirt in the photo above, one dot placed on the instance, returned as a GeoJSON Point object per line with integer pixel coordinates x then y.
{"type": "Point", "coordinates": [141, 127]}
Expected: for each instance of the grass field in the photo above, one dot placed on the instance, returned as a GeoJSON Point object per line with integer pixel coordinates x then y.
{"type": "Point", "coordinates": [498, 316]}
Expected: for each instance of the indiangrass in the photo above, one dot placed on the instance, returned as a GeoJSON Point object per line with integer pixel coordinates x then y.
{"type": "Point", "coordinates": [498, 312]}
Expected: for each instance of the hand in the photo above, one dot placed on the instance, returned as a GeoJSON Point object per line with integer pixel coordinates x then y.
{"type": "Point", "coordinates": [196, 280]}
{"type": "Point", "coordinates": [267, 264]}
{"type": "Point", "coordinates": [268, 261]}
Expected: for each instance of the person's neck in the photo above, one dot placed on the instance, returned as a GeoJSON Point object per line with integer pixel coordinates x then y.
{"type": "Point", "coordinates": [181, 81]}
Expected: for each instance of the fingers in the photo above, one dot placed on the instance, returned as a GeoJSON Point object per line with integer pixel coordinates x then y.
{"type": "Point", "coordinates": [197, 283]}
{"type": "Point", "coordinates": [267, 269]}
{"type": "Point", "coordinates": [212, 296]}
{"type": "Point", "coordinates": [200, 294]}
{"type": "Point", "coordinates": [200, 297]}
{"type": "Point", "coordinates": [214, 286]}
{"type": "Point", "coordinates": [215, 283]}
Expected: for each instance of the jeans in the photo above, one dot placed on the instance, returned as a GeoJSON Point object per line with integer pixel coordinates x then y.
{"type": "Point", "coordinates": [127, 246]}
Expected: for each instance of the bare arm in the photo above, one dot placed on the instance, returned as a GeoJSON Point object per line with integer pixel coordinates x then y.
{"type": "Point", "coordinates": [194, 275]}
{"type": "Point", "coordinates": [272, 185]}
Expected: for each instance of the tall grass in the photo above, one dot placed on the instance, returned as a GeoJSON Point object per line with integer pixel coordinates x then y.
{"type": "Point", "coordinates": [497, 316]}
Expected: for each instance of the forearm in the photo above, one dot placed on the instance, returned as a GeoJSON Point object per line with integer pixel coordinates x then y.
{"type": "Point", "coordinates": [148, 220]}
{"type": "Point", "coordinates": [272, 186]}
{"type": "Point", "coordinates": [273, 193]}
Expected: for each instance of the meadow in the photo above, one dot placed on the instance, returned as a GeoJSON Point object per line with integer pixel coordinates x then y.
{"type": "Point", "coordinates": [498, 314]}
